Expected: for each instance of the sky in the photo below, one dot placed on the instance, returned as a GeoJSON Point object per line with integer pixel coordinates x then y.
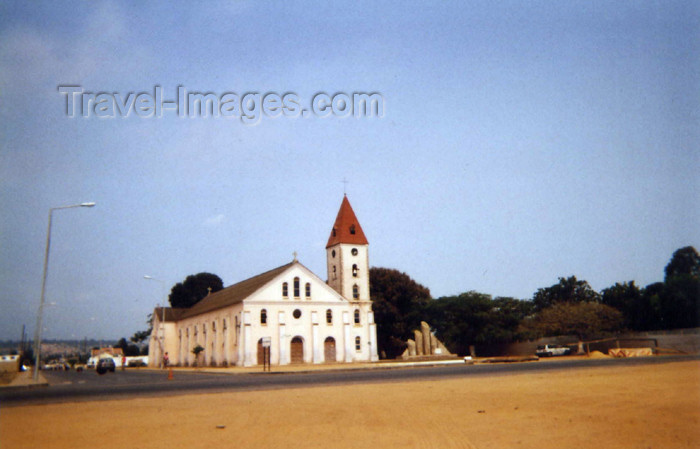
{"type": "Point", "coordinates": [519, 142]}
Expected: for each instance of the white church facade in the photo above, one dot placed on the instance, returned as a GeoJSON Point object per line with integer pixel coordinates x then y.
{"type": "Point", "coordinates": [290, 309]}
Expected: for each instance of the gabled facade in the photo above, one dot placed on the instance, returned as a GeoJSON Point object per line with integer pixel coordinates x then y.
{"type": "Point", "coordinates": [304, 319]}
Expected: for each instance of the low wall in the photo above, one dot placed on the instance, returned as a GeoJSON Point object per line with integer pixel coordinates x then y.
{"type": "Point", "coordinates": [683, 340]}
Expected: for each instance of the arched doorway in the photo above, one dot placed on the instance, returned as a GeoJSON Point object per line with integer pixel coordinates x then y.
{"type": "Point", "coordinates": [297, 350]}
{"type": "Point", "coordinates": [329, 350]}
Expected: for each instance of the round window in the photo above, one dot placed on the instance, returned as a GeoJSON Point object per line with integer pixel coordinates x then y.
{"type": "Point", "coordinates": [354, 251]}
{"type": "Point", "coordinates": [296, 314]}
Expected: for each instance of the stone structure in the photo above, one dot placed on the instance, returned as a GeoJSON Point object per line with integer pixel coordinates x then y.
{"type": "Point", "coordinates": [424, 344]}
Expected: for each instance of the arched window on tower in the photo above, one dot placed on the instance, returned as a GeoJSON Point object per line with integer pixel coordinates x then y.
{"type": "Point", "coordinates": [354, 270]}
{"type": "Point", "coordinates": [263, 316]}
{"type": "Point", "coordinates": [296, 287]}
{"type": "Point", "coordinates": [358, 344]}
{"type": "Point", "coordinates": [334, 273]}
{"type": "Point", "coordinates": [357, 316]}
{"type": "Point", "coordinates": [355, 292]}
{"type": "Point", "coordinates": [352, 229]}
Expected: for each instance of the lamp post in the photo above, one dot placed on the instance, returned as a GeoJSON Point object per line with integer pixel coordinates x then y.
{"type": "Point", "coordinates": [37, 330]}
{"type": "Point", "coordinates": [158, 337]}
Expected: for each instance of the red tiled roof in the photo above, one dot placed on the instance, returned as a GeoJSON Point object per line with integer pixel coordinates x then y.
{"type": "Point", "coordinates": [170, 314]}
{"type": "Point", "coordinates": [234, 294]}
{"type": "Point", "coordinates": [347, 228]}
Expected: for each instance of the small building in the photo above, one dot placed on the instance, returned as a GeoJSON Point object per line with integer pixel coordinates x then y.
{"type": "Point", "coordinates": [302, 318]}
{"type": "Point", "coordinates": [110, 351]}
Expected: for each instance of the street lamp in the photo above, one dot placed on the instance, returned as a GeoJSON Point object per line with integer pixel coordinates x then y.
{"type": "Point", "coordinates": [158, 337]}
{"type": "Point", "coordinates": [37, 331]}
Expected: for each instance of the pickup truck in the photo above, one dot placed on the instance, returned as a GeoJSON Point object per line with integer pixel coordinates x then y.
{"type": "Point", "coordinates": [552, 350]}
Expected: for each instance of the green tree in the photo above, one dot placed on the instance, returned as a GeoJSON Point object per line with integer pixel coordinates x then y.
{"type": "Point", "coordinates": [585, 320]}
{"type": "Point", "coordinates": [128, 349]}
{"type": "Point", "coordinates": [398, 305]}
{"type": "Point", "coordinates": [473, 318]}
{"type": "Point", "coordinates": [193, 289]}
{"type": "Point", "coordinates": [684, 262]}
{"type": "Point", "coordinates": [140, 336]}
{"type": "Point", "coordinates": [634, 305]}
{"type": "Point", "coordinates": [679, 302]}
{"type": "Point", "coordinates": [568, 290]}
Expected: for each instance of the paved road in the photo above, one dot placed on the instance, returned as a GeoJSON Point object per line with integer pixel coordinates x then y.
{"type": "Point", "coordinates": [88, 386]}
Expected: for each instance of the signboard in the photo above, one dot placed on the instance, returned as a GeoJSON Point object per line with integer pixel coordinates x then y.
{"type": "Point", "coordinates": [266, 342]}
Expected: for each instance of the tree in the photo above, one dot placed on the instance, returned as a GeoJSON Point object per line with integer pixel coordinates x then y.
{"type": "Point", "coordinates": [634, 305]}
{"type": "Point", "coordinates": [679, 302]}
{"type": "Point", "coordinates": [583, 319]}
{"type": "Point", "coordinates": [140, 336]}
{"type": "Point", "coordinates": [193, 289]}
{"type": "Point", "coordinates": [684, 262]}
{"type": "Point", "coordinates": [196, 351]}
{"type": "Point", "coordinates": [568, 290]}
{"type": "Point", "coordinates": [127, 349]}
{"type": "Point", "coordinates": [398, 305]}
{"type": "Point", "coordinates": [474, 317]}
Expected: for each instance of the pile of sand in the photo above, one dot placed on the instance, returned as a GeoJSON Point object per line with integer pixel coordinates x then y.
{"type": "Point", "coordinates": [598, 355]}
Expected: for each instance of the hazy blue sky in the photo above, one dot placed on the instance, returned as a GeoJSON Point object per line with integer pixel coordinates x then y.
{"type": "Point", "coordinates": [520, 142]}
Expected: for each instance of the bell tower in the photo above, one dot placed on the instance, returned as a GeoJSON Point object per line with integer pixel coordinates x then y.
{"type": "Point", "coordinates": [347, 256]}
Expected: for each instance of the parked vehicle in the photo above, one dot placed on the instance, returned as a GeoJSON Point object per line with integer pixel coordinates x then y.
{"type": "Point", "coordinates": [104, 365]}
{"type": "Point", "coordinates": [552, 350]}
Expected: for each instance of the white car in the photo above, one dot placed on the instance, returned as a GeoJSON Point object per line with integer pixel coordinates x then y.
{"type": "Point", "coordinates": [552, 350]}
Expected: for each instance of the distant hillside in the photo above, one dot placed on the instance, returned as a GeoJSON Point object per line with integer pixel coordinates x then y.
{"type": "Point", "coordinates": [50, 347]}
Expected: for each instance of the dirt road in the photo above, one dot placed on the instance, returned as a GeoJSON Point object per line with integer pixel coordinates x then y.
{"type": "Point", "coordinates": [654, 406]}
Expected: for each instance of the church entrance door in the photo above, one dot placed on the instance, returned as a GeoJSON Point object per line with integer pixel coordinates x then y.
{"type": "Point", "coordinates": [261, 352]}
{"type": "Point", "coordinates": [329, 350]}
{"type": "Point", "coordinates": [297, 350]}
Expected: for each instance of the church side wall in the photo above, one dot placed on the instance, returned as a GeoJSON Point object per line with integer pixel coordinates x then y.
{"type": "Point", "coordinates": [216, 331]}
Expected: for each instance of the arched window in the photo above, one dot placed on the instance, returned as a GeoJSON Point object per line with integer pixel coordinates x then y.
{"type": "Point", "coordinates": [352, 229]}
{"type": "Point", "coordinates": [357, 316]}
{"type": "Point", "coordinates": [358, 344]}
{"type": "Point", "coordinates": [285, 289]}
{"type": "Point", "coordinates": [204, 328]}
{"type": "Point", "coordinates": [296, 287]}
{"type": "Point", "coordinates": [329, 316]}
{"type": "Point", "coordinates": [334, 273]}
{"type": "Point", "coordinates": [213, 326]}
{"type": "Point", "coordinates": [355, 292]}
{"type": "Point", "coordinates": [354, 270]}
{"type": "Point", "coordinates": [263, 316]}
{"type": "Point", "coordinates": [308, 290]}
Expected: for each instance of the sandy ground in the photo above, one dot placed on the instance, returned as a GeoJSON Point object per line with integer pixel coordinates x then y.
{"type": "Point", "coordinates": [655, 406]}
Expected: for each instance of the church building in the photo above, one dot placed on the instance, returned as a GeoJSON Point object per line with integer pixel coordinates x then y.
{"type": "Point", "coordinates": [289, 309]}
